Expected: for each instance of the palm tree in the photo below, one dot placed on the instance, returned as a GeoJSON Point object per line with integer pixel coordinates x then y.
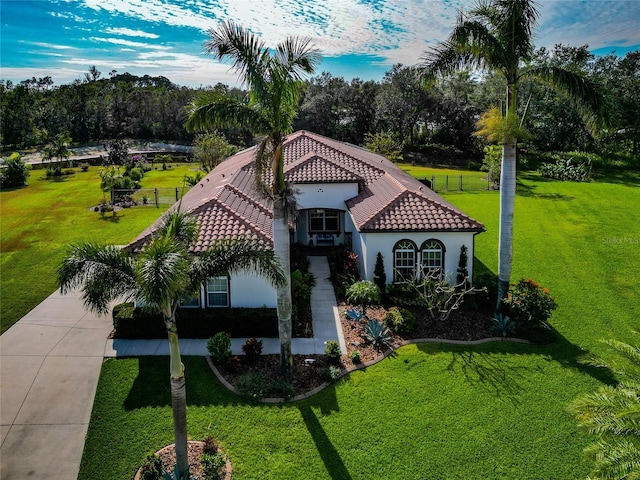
{"type": "Point", "coordinates": [162, 275]}
{"type": "Point", "coordinates": [613, 413]}
{"type": "Point", "coordinates": [58, 148]}
{"type": "Point", "coordinates": [275, 82]}
{"type": "Point", "coordinates": [497, 35]}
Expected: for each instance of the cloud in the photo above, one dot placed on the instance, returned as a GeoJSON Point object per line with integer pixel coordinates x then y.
{"type": "Point", "coordinates": [127, 43]}
{"type": "Point", "coordinates": [50, 45]}
{"type": "Point", "coordinates": [131, 33]}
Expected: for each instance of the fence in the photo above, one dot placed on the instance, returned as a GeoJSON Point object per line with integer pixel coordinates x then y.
{"type": "Point", "coordinates": [455, 183]}
{"type": "Point", "coordinates": [147, 196]}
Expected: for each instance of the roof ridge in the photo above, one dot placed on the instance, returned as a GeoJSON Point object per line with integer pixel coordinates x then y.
{"type": "Point", "coordinates": [242, 194]}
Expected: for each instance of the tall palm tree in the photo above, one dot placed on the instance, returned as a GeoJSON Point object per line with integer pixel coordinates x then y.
{"type": "Point", "coordinates": [613, 413]}
{"type": "Point", "coordinates": [498, 35]}
{"type": "Point", "coordinates": [162, 275]}
{"type": "Point", "coordinates": [274, 80]}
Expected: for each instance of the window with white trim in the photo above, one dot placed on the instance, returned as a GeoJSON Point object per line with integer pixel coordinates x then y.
{"type": "Point", "coordinates": [190, 302]}
{"type": "Point", "coordinates": [321, 220]}
{"type": "Point", "coordinates": [218, 292]}
{"type": "Point", "coordinates": [404, 261]}
{"type": "Point", "coordinates": [432, 252]}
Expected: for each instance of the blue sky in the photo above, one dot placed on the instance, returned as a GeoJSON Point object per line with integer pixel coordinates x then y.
{"type": "Point", "coordinates": [358, 38]}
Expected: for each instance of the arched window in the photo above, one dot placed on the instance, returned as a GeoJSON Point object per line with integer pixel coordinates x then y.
{"type": "Point", "coordinates": [432, 253]}
{"type": "Point", "coordinates": [404, 261]}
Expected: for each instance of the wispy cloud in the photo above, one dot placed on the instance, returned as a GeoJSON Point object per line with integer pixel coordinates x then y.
{"type": "Point", "coordinates": [131, 33]}
{"type": "Point", "coordinates": [127, 43]}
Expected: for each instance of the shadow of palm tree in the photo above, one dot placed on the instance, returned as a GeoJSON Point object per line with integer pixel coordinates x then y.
{"type": "Point", "coordinates": [326, 402]}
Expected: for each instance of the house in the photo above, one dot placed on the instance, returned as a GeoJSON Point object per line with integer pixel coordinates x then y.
{"type": "Point", "coordinates": [346, 195]}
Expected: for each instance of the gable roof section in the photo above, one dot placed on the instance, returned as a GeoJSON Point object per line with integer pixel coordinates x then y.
{"type": "Point", "coordinates": [227, 203]}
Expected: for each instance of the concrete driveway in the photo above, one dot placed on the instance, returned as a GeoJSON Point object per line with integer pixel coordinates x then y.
{"type": "Point", "coordinates": [49, 368]}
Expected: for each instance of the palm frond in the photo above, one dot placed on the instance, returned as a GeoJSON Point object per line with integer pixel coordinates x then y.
{"type": "Point", "coordinates": [582, 92]}
{"type": "Point", "coordinates": [296, 57]}
{"type": "Point", "coordinates": [246, 50]}
{"type": "Point", "coordinates": [163, 274]}
{"type": "Point", "coordinates": [231, 256]}
{"type": "Point", "coordinates": [103, 273]}
{"type": "Point", "coordinates": [619, 459]}
{"type": "Point", "coordinates": [513, 22]}
{"type": "Point", "coordinates": [179, 226]}
{"type": "Point", "coordinates": [214, 110]}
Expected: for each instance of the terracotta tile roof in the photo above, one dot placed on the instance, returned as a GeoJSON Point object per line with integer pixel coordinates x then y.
{"type": "Point", "coordinates": [228, 204]}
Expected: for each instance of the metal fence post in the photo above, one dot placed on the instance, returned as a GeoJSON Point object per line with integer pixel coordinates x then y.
{"type": "Point", "coordinates": [433, 183]}
{"type": "Point", "coordinates": [177, 194]}
{"type": "Point", "coordinates": [460, 182]}
{"type": "Point", "coordinates": [446, 183]}
{"type": "Point", "coordinates": [155, 193]}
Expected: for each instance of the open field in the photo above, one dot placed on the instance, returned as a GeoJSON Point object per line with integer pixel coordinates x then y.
{"type": "Point", "coordinates": [38, 221]}
{"type": "Point", "coordinates": [496, 411]}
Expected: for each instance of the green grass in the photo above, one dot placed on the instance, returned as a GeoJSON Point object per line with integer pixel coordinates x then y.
{"type": "Point", "coordinates": [448, 179]}
{"type": "Point", "coordinates": [40, 220]}
{"type": "Point", "coordinates": [496, 411]}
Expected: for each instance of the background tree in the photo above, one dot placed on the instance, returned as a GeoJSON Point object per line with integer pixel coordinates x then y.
{"type": "Point", "coordinates": [58, 148]}
{"type": "Point", "coordinates": [498, 35]}
{"type": "Point", "coordinates": [385, 144]}
{"type": "Point", "coordinates": [159, 277]}
{"type": "Point", "coordinates": [210, 149]}
{"type": "Point", "coordinates": [275, 82]}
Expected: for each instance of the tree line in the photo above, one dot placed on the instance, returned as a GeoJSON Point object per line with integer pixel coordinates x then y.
{"type": "Point", "coordinates": [438, 119]}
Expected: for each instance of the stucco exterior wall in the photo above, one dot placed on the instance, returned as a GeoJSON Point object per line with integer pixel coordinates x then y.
{"type": "Point", "coordinates": [249, 290]}
{"type": "Point", "coordinates": [384, 242]}
{"type": "Point", "coordinates": [325, 195]}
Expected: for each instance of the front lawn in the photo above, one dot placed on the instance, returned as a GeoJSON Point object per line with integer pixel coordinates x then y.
{"type": "Point", "coordinates": [39, 220]}
{"type": "Point", "coordinates": [495, 411]}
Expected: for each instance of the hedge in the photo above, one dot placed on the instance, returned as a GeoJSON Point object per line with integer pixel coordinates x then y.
{"type": "Point", "coordinates": [137, 323]}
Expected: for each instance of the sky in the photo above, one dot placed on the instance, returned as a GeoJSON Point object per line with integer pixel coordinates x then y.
{"type": "Point", "coordinates": [357, 38]}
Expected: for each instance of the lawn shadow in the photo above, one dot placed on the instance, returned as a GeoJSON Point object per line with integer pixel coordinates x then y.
{"type": "Point", "coordinates": [525, 190]}
{"type": "Point", "coordinates": [327, 402]}
{"type": "Point", "coordinates": [113, 218]}
{"type": "Point", "coordinates": [628, 178]}
{"type": "Point", "coordinates": [151, 387]}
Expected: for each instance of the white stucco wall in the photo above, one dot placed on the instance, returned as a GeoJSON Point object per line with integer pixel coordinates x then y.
{"type": "Point", "coordinates": [384, 242]}
{"type": "Point", "coordinates": [325, 195]}
{"type": "Point", "coordinates": [249, 290]}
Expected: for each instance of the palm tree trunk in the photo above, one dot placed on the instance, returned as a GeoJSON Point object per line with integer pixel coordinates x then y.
{"type": "Point", "coordinates": [178, 401]}
{"type": "Point", "coordinates": [281, 249]}
{"type": "Point", "coordinates": [507, 204]}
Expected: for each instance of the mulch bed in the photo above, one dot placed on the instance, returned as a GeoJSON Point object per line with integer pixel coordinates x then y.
{"type": "Point", "coordinates": [309, 371]}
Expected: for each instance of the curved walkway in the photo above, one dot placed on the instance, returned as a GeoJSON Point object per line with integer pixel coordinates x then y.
{"type": "Point", "coordinates": [50, 363]}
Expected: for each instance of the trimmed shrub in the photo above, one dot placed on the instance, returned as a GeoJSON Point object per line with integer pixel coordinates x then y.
{"type": "Point", "coordinates": [212, 465]}
{"type": "Point", "coordinates": [252, 385]}
{"type": "Point", "coordinates": [379, 275]}
{"type": "Point", "coordinates": [252, 349]}
{"type": "Point", "coordinates": [400, 320]}
{"type": "Point", "coordinates": [332, 373]}
{"type": "Point", "coordinates": [355, 356]}
{"type": "Point", "coordinates": [219, 347]}
{"type": "Point", "coordinates": [301, 285]}
{"type": "Point", "coordinates": [333, 352]}
{"type": "Point", "coordinates": [282, 388]}
{"type": "Point", "coordinates": [136, 174]}
{"type": "Point", "coordinates": [138, 323]}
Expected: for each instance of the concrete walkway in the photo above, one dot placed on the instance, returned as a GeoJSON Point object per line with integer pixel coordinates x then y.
{"type": "Point", "coordinates": [50, 363]}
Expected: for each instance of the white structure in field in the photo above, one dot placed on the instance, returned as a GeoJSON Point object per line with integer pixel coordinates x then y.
{"type": "Point", "coordinates": [346, 195]}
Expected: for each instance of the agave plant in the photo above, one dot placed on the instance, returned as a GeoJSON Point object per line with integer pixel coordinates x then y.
{"type": "Point", "coordinates": [354, 314]}
{"type": "Point", "coordinates": [503, 324]}
{"type": "Point", "coordinates": [377, 333]}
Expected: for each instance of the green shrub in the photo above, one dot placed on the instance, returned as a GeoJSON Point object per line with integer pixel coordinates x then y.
{"type": "Point", "coordinates": [136, 174]}
{"type": "Point", "coordinates": [343, 265]}
{"type": "Point", "coordinates": [219, 347]}
{"type": "Point", "coordinates": [364, 293]}
{"type": "Point", "coordinates": [529, 303]}
{"type": "Point", "coordinates": [252, 349]}
{"type": "Point", "coordinates": [332, 373]}
{"type": "Point", "coordinates": [252, 385]}
{"type": "Point", "coordinates": [192, 180]}
{"type": "Point", "coordinates": [152, 469]}
{"type": "Point", "coordinates": [212, 465]}
{"type": "Point", "coordinates": [566, 170]}
{"type": "Point", "coordinates": [301, 285]}
{"type": "Point", "coordinates": [282, 388]}
{"type": "Point", "coordinates": [377, 333]}
{"type": "Point", "coordinates": [333, 352]}
{"type": "Point", "coordinates": [84, 167]}
{"type": "Point", "coordinates": [403, 294]}
{"type": "Point", "coordinates": [400, 320]}
{"type": "Point", "coordinates": [355, 356]}
{"type": "Point", "coordinates": [491, 163]}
